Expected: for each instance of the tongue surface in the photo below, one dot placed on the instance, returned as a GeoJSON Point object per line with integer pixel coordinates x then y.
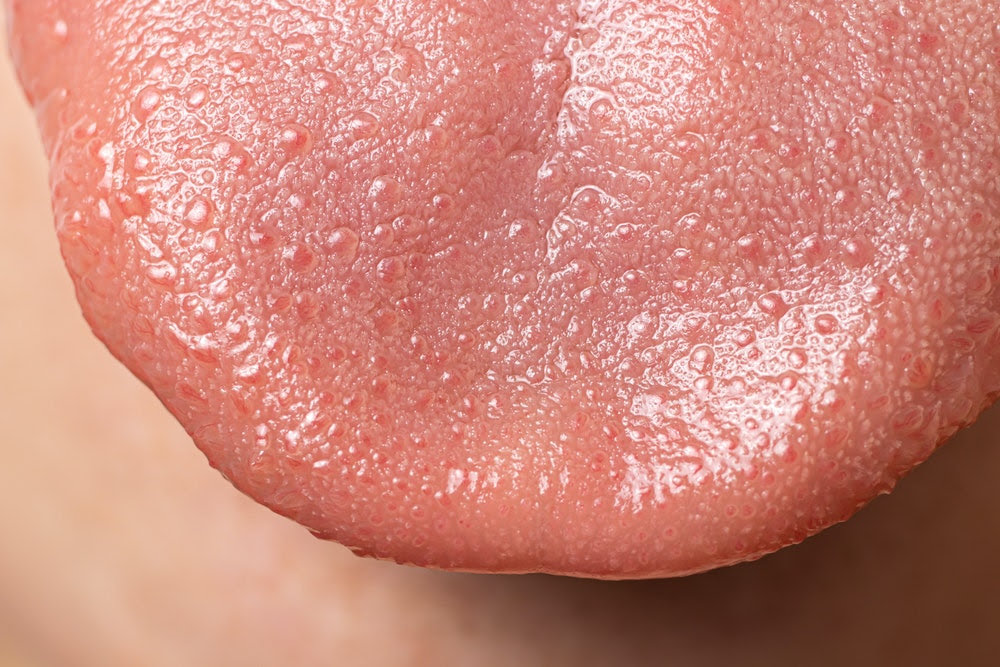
{"type": "Point", "coordinates": [607, 288]}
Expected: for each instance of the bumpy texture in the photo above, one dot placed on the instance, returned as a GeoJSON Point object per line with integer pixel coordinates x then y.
{"type": "Point", "coordinates": [623, 288]}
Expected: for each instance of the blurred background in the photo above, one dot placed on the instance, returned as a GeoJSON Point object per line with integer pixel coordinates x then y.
{"type": "Point", "coordinates": [119, 546]}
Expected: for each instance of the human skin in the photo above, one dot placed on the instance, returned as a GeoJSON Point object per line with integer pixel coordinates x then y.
{"type": "Point", "coordinates": [107, 559]}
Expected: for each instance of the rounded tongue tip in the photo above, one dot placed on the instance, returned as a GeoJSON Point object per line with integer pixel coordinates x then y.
{"type": "Point", "coordinates": [499, 295]}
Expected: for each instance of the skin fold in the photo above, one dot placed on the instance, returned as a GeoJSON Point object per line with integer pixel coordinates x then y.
{"type": "Point", "coordinates": [109, 558]}
{"type": "Point", "coordinates": [682, 285]}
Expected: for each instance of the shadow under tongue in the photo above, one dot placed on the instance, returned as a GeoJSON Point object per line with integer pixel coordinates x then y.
{"type": "Point", "coordinates": [912, 579]}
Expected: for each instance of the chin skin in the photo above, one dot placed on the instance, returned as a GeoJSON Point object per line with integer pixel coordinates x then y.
{"type": "Point", "coordinates": [623, 291]}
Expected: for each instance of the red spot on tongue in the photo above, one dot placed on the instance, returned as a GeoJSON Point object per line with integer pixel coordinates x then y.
{"type": "Point", "coordinates": [500, 293]}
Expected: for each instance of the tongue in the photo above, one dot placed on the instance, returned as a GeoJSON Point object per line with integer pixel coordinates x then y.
{"type": "Point", "coordinates": [620, 289]}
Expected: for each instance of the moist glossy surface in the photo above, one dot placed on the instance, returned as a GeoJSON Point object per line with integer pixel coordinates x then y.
{"type": "Point", "coordinates": [618, 289]}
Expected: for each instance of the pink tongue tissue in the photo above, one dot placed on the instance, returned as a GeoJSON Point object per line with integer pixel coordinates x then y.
{"type": "Point", "coordinates": [614, 289]}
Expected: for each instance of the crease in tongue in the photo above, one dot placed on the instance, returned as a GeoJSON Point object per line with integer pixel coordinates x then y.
{"type": "Point", "coordinates": [607, 289]}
